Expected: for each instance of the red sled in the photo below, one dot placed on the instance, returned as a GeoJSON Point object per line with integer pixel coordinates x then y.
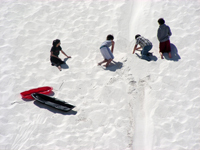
{"type": "Point", "coordinates": [41, 90]}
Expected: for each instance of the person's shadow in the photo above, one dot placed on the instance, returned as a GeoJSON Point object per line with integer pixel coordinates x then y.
{"type": "Point", "coordinates": [153, 57]}
{"type": "Point", "coordinates": [64, 65]}
{"type": "Point", "coordinates": [113, 66]}
{"type": "Point", "coordinates": [174, 53]}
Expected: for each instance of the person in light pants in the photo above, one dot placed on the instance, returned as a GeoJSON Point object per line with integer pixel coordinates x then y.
{"type": "Point", "coordinates": [105, 50]}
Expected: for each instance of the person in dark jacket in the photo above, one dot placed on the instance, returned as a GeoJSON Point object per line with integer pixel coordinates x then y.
{"type": "Point", "coordinates": [55, 51]}
{"type": "Point", "coordinates": [163, 35]}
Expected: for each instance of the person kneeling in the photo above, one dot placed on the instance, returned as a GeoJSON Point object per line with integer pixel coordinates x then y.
{"type": "Point", "coordinates": [55, 51]}
{"type": "Point", "coordinates": [105, 50]}
{"type": "Point", "coordinates": [145, 45]}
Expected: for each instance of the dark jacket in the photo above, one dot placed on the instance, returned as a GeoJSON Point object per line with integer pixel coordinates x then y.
{"type": "Point", "coordinates": [164, 33]}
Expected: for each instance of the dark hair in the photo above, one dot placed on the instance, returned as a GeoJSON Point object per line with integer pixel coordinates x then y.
{"type": "Point", "coordinates": [55, 42]}
{"type": "Point", "coordinates": [110, 37]}
{"type": "Point", "coordinates": [137, 36]}
{"type": "Point", "coordinates": [161, 21]}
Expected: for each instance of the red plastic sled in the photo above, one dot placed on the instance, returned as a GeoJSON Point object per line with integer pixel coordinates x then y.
{"type": "Point", "coordinates": [40, 90]}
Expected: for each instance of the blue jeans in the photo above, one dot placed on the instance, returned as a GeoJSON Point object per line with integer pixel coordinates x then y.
{"type": "Point", "coordinates": [145, 51]}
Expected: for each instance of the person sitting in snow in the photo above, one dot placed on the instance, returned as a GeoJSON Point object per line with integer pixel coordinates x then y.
{"type": "Point", "coordinates": [163, 35]}
{"type": "Point", "coordinates": [55, 51]}
{"type": "Point", "coordinates": [105, 50]}
{"type": "Point", "coordinates": [145, 45]}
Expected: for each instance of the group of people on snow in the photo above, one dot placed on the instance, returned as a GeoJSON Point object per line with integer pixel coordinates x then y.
{"type": "Point", "coordinates": [163, 35]}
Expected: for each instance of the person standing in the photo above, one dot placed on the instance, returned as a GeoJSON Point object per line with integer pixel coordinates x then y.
{"type": "Point", "coordinates": [163, 35]}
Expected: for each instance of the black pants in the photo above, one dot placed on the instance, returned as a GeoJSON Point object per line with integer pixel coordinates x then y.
{"type": "Point", "coordinates": [55, 61]}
